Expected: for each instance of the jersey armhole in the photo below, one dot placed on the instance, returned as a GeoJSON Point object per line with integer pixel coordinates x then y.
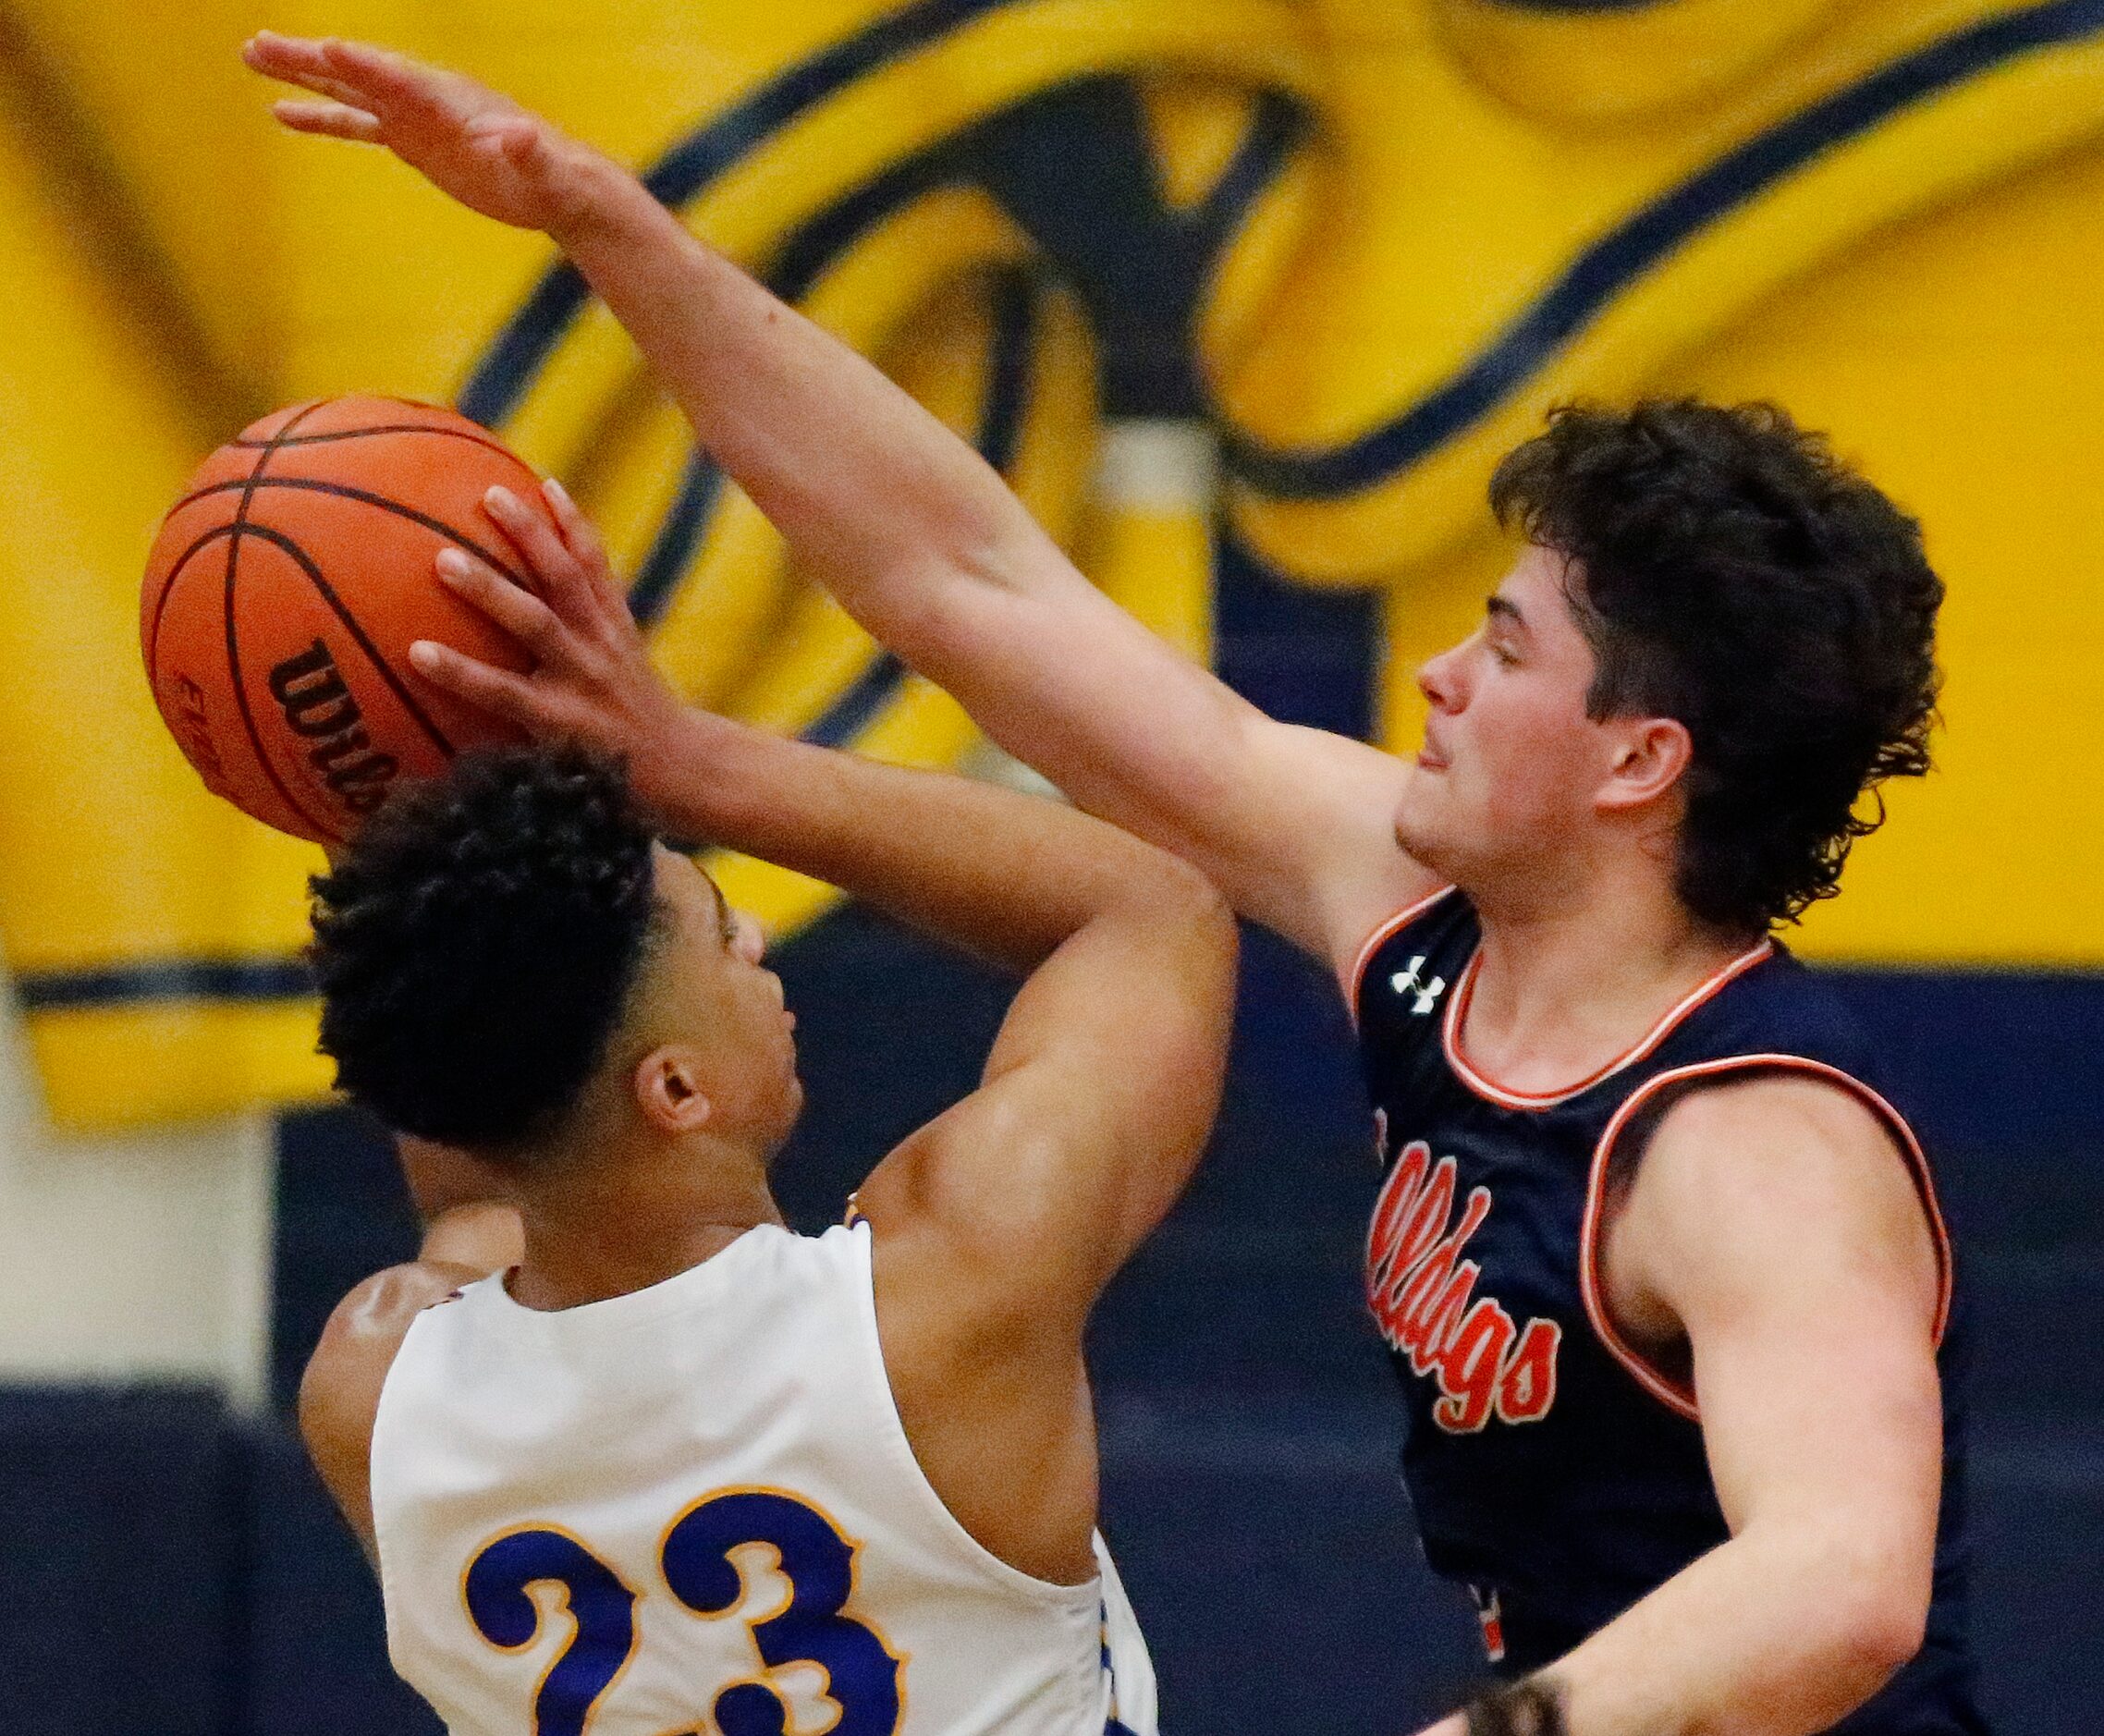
{"type": "Point", "coordinates": [390, 1384]}
{"type": "Point", "coordinates": [964, 1547]}
{"type": "Point", "coordinates": [1677, 1396]}
{"type": "Point", "coordinates": [1388, 930]}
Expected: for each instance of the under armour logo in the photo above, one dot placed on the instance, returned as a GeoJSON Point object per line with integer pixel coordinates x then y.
{"type": "Point", "coordinates": [1410, 982]}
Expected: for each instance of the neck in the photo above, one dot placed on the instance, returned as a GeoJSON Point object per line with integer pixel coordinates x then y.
{"type": "Point", "coordinates": [629, 1213]}
{"type": "Point", "coordinates": [1568, 985]}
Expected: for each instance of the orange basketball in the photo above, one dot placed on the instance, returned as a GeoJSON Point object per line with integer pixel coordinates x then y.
{"type": "Point", "coordinates": [287, 586]}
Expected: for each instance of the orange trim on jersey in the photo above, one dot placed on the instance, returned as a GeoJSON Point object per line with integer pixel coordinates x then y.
{"type": "Point", "coordinates": [1673, 1394]}
{"type": "Point", "coordinates": [1378, 938]}
{"type": "Point", "coordinates": [1457, 1010]}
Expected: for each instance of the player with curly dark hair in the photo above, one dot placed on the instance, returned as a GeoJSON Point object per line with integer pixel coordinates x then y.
{"type": "Point", "coordinates": [477, 948]}
{"type": "Point", "coordinates": [1661, 1271]}
{"type": "Point", "coordinates": [660, 1401]}
{"type": "Point", "coordinates": [1728, 572]}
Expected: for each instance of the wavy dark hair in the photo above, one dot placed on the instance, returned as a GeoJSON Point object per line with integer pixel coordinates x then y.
{"type": "Point", "coordinates": [477, 943]}
{"type": "Point", "coordinates": [1729, 572]}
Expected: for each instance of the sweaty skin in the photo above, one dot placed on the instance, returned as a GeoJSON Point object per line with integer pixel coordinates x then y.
{"type": "Point", "coordinates": [1802, 1310]}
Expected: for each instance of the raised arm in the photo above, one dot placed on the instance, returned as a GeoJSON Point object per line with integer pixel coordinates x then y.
{"type": "Point", "coordinates": [1132, 951]}
{"type": "Point", "coordinates": [997, 1226]}
{"type": "Point", "coordinates": [916, 535]}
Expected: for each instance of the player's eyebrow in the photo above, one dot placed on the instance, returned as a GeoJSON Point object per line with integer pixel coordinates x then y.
{"type": "Point", "coordinates": [723, 923]}
{"type": "Point", "coordinates": [1502, 608]}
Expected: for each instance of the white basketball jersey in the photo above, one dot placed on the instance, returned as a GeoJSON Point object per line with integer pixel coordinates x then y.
{"type": "Point", "coordinates": [693, 1508]}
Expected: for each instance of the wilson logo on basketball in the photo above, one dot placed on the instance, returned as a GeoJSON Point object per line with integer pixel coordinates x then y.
{"type": "Point", "coordinates": [1423, 1296]}
{"type": "Point", "coordinates": [318, 706]}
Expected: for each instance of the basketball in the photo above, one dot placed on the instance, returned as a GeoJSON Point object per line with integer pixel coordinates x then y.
{"type": "Point", "coordinates": [286, 587]}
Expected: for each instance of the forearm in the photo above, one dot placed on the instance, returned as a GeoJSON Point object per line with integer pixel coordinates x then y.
{"type": "Point", "coordinates": [866, 484]}
{"type": "Point", "coordinates": [1008, 877]}
{"type": "Point", "coordinates": [924, 545]}
{"type": "Point", "coordinates": [1765, 1636]}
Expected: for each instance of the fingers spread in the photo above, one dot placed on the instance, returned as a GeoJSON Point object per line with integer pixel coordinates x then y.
{"type": "Point", "coordinates": [590, 553]}
{"type": "Point", "coordinates": [496, 690]}
{"type": "Point", "coordinates": [515, 609]}
{"type": "Point", "coordinates": [548, 558]}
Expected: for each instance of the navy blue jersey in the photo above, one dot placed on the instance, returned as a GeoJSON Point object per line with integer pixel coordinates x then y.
{"type": "Point", "coordinates": [1555, 1471]}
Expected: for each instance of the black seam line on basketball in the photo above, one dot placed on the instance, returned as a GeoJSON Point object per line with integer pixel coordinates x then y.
{"type": "Point", "coordinates": [152, 646]}
{"type": "Point", "coordinates": [384, 428]}
{"type": "Point", "coordinates": [500, 378]}
{"type": "Point", "coordinates": [161, 980]}
{"type": "Point", "coordinates": [1610, 265]}
{"type": "Point", "coordinates": [395, 683]}
{"type": "Point", "coordinates": [161, 602]}
{"type": "Point", "coordinates": [235, 532]}
{"type": "Point", "coordinates": [314, 486]}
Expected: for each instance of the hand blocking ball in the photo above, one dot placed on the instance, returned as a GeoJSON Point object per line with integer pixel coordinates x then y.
{"type": "Point", "coordinates": [287, 586]}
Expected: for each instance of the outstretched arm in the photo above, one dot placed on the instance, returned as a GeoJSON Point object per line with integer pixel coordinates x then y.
{"type": "Point", "coordinates": [916, 535]}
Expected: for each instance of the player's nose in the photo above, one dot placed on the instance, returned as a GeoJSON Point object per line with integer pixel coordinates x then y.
{"type": "Point", "coordinates": [1438, 678]}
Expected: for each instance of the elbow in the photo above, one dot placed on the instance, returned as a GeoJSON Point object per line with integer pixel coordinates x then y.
{"type": "Point", "coordinates": [1176, 888]}
{"type": "Point", "coordinates": [1883, 1631]}
{"type": "Point", "coordinates": [1874, 1629]}
{"type": "Point", "coordinates": [1849, 1610]}
{"type": "Point", "coordinates": [1185, 917]}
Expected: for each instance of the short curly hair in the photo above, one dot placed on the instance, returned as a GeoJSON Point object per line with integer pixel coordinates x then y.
{"type": "Point", "coordinates": [1729, 572]}
{"type": "Point", "coordinates": [477, 944]}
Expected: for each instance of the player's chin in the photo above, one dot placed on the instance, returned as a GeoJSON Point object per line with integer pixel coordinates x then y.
{"type": "Point", "coordinates": [791, 1106]}
{"type": "Point", "coordinates": [1417, 825]}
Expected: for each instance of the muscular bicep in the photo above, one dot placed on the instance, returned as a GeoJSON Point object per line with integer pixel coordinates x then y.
{"type": "Point", "coordinates": [1296, 825]}
{"type": "Point", "coordinates": [1784, 1228]}
{"type": "Point", "coordinates": [1096, 1106]}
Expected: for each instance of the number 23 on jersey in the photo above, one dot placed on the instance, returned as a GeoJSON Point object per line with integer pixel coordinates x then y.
{"type": "Point", "coordinates": [698, 1565]}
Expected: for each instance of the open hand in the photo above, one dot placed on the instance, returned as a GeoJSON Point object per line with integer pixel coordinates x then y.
{"type": "Point", "coordinates": [483, 149]}
{"type": "Point", "coordinates": [592, 680]}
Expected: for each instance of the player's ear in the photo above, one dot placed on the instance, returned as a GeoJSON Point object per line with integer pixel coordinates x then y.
{"type": "Point", "coordinates": [1651, 755]}
{"type": "Point", "coordinates": [667, 1086]}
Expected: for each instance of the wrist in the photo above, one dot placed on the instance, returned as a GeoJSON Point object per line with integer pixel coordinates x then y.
{"type": "Point", "coordinates": [688, 771]}
{"type": "Point", "coordinates": [596, 195]}
{"type": "Point", "coordinates": [1533, 1708]}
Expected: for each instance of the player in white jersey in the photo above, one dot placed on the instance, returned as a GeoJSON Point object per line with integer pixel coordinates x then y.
{"type": "Point", "coordinates": [677, 1468]}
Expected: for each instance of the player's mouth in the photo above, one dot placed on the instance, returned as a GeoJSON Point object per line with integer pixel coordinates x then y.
{"type": "Point", "coordinates": [1430, 758]}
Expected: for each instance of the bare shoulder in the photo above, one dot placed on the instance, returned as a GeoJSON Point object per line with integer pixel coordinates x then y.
{"type": "Point", "coordinates": [340, 1393]}
{"type": "Point", "coordinates": [1777, 1174]}
{"type": "Point", "coordinates": [991, 1391]}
